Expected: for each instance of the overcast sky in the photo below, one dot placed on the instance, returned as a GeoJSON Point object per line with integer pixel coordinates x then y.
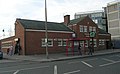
{"type": "Point", "coordinates": [34, 9]}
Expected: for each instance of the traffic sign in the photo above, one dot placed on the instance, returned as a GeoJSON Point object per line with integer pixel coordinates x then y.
{"type": "Point", "coordinates": [92, 34]}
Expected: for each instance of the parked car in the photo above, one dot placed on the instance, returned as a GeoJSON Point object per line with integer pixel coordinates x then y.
{"type": "Point", "coordinates": [1, 55]}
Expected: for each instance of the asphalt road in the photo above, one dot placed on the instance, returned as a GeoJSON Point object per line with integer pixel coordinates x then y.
{"type": "Point", "coordinates": [106, 64]}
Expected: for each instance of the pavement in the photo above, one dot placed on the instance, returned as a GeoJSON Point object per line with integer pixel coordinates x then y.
{"type": "Point", "coordinates": [58, 56]}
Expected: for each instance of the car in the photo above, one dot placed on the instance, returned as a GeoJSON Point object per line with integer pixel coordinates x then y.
{"type": "Point", "coordinates": [1, 55]}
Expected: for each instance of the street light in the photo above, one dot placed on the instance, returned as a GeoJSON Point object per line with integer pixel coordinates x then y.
{"type": "Point", "coordinates": [46, 39]}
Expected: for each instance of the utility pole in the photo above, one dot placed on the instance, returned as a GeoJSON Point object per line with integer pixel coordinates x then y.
{"type": "Point", "coordinates": [46, 39]}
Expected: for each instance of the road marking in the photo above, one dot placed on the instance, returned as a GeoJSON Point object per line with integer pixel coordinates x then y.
{"type": "Point", "coordinates": [109, 64]}
{"type": "Point", "coordinates": [108, 60]}
{"type": "Point", "coordinates": [25, 69]}
{"type": "Point", "coordinates": [16, 72]}
{"type": "Point", "coordinates": [72, 72]}
{"type": "Point", "coordinates": [87, 64]}
{"type": "Point", "coordinates": [55, 69]}
{"type": "Point", "coordinates": [84, 60]}
{"type": "Point", "coordinates": [73, 62]}
{"type": "Point", "coordinates": [34, 68]}
{"type": "Point", "coordinates": [91, 59]}
{"type": "Point", "coordinates": [118, 55]}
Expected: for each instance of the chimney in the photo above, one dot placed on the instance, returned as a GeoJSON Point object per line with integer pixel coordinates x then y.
{"type": "Point", "coordinates": [66, 19]}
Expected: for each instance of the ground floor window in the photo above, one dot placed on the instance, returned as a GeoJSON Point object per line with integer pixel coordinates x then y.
{"type": "Point", "coordinates": [59, 42]}
{"type": "Point", "coordinates": [64, 42]}
{"type": "Point", "coordinates": [94, 42]}
{"type": "Point", "coordinates": [50, 42]}
{"type": "Point", "coordinates": [101, 42]}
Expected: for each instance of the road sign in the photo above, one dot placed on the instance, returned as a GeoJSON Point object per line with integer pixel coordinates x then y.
{"type": "Point", "coordinates": [92, 34]}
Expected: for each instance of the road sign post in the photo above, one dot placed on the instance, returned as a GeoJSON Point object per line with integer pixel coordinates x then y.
{"type": "Point", "coordinates": [92, 35]}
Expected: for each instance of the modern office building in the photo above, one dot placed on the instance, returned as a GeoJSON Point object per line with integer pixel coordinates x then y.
{"type": "Point", "coordinates": [99, 17]}
{"type": "Point", "coordinates": [113, 15]}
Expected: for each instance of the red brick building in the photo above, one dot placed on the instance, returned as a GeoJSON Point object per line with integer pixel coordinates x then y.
{"type": "Point", "coordinates": [82, 28]}
{"type": "Point", "coordinates": [30, 35]}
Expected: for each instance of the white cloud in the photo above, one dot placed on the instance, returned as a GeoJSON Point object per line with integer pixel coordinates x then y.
{"type": "Point", "coordinates": [34, 9]}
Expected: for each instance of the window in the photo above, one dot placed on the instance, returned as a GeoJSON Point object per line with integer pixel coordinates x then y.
{"type": "Point", "coordinates": [86, 43]}
{"type": "Point", "coordinates": [81, 28]}
{"type": "Point", "coordinates": [94, 42]}
{"type": "Point", "coordinates": [50, 42]}
{"type": "Point", "coordinates": [101, 42]}
{"type": "Point", "coordinates": [43, 42]}
{"type": "Point", "coordinates": [90, 28]}
{"type": "Point", "coordinates": [85, 28]}
{"type": "Point", "coordinates": [64, 42]}
{"type": "Point", "coordinates": [59, 42]}
{"type": "Point", "coordinates": [94, 29]}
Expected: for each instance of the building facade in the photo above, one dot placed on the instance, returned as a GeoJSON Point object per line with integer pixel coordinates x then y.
{"type": "Point", "coordinates": [82, 28]}
{"type": "Point", "coordinates": [30, 35]}
{"type": "Point", "coordinates": [99, 17]}
{"type": "Point", "coordinates": [113, 15]}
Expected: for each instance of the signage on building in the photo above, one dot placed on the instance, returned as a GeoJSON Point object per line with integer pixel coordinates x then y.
{"type": "Point", "coordinates": [92, 34]}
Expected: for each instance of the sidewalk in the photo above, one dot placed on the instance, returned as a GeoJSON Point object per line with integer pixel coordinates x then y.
{"type": "Point", "coordinates": [57, 57]}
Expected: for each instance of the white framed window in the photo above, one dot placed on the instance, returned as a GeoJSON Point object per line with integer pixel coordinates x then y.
{"type": "Point", "coordinates": [90, 28]}
{"type": "Point", "coordinates": [101, 42]}
{"type": "Point", "coordinates": [59, 42]}
{"type": "Point", "coordinates": [43, 43]}
{"type": "Point", "coordinates": [76, 43]}
{"type": "Point", "coordinates": [50, 42]}
{"type": "Point", "coordinates": [86, 43]}
{"type": "Point", "coordinates": [94, 42]}
{"type": "Point", "coordinates": [85, 28]}
{"type": "Point", "coordinates": [81, 28]}
{"type": "Point", "coordinates": [94, 29]}
{"type": "Point", "coordinates": [64, 42]}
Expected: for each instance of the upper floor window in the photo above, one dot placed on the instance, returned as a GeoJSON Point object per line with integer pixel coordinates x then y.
{"type": "Point", "coordinates": [90, 28]}
{"type": "Point", "coordinates": [81, 28]}
{"type": "Point", "coordinates": [94, 29]}
{"type": "Point", "coordinates": [85, 28]}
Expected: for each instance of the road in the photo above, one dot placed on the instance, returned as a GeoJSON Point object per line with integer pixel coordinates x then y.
{"type": "Point", "coordinates": [105, 64]}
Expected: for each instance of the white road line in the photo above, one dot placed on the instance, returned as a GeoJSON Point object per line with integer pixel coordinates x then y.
{"type": "Point", "coordinates": [109, 64]}
{"type": "Point", "coordinates": [117, 55]}
{"type": "Point", "coordinates": [84, 60]}
{"type": "Point", "coordinates": [55, 69]}
{"type": "Point", "coordinates": [34, 68]}
{"type": "Point", "coordinates": [16, 72]}
{"type": "Point", "coordinates": [87, 64]}
{"type": "Point", "coordinates": [91, 59]}
{"type": "Point", "coordinates": [108, 60]}
{"type": "Point", "coordinates": [7, 71]}
{"type": "Point", "coordinates": [74, 62]}
{"type": "Point", "coordinates": [72, 72]}
{"type": "Point", "coordinates": [25, 69]}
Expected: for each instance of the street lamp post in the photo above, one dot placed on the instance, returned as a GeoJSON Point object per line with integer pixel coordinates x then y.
{"type": "Point", "coordinates": [46, 40]}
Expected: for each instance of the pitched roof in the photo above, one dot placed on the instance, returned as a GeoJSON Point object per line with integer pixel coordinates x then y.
{"type": "Point", "coordinates": [40, 25]}
{"type": "Point", "coordinates": [74, 21]}
{"type": "Point", "coordinates": [102, 31]}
